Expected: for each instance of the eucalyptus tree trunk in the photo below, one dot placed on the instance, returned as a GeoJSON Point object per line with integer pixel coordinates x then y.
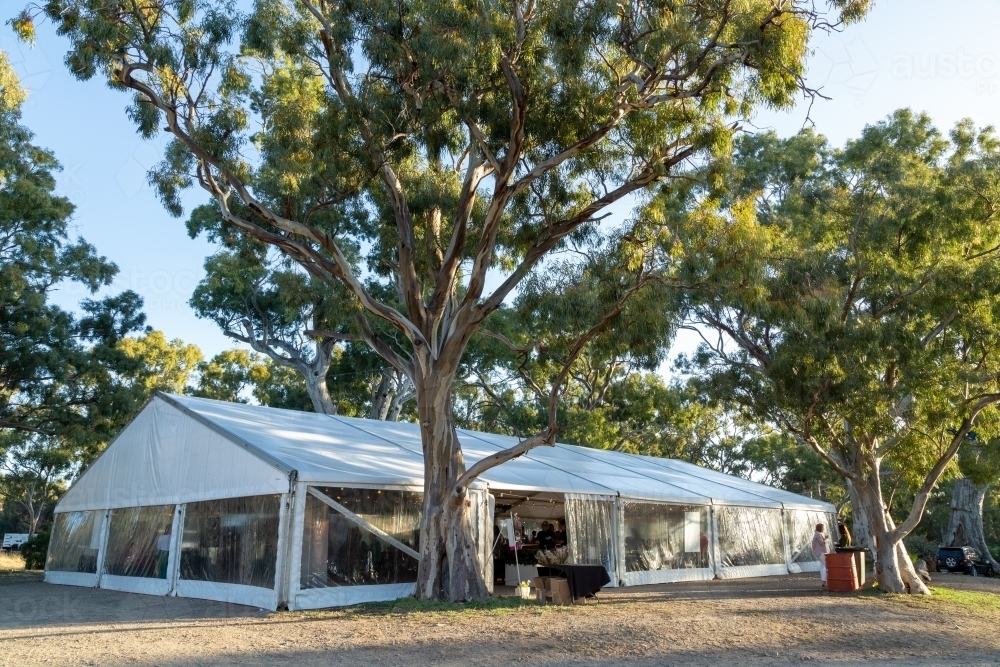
{"type": "Point", "coordinates": [382, 395]}
{"type": "Point", "coordinates": [859, 530]}
{"type": "Point", "coordinates": [893, 570]}
{"type": "Point", "coordinates": [404, 394]}
{"type": "Point", "coordinates": [965, 524]}
{"type": "Point", "coordinates": [449, 560]}
{"type": "Point", "coordinates": [318, 392]}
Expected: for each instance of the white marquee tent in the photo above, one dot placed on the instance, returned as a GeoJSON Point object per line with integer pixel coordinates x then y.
{"type": "Point", "coordinates": [268, 507]}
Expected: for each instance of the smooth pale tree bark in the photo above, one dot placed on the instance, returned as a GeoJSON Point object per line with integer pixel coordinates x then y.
{"type": "Point", "coordinates": [381, 396]}
{"type": "Point", "coordinates": [893, 570]}
{"type": "Point", "coordinates": [393, 391]}
{"type": "Point", "coordinates": [965, 523]}
{"type": "Point", "coordinates": [404, 394]}
{"type": "Point", "coordinates": [318, 392]}
{"type": "Point", "coordinates": [313, 370]}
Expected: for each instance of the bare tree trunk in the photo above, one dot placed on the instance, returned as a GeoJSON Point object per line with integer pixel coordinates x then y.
{"type": "Point", "coordinates": [450, 565]}
{"type": "Point", "coordinates": [893, 570]}
{"type": "Point", "coordinates": [35, 509]}
{"type": "Point", "coordinates": [381, 396]}
{"type": "Point", "coordinates": [965, 525]}
{"type": "Point", "coordinates": [859, 530]}
{"type": "Point", "coordinates": [318, 392]}
{"type": "Point", "coordinates": [404, 394]}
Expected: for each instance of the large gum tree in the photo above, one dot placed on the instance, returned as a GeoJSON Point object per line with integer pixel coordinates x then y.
{"type": "Point", "coordinates": [459, 143]}
{"type": "Point", "coordinates": [850, 297]}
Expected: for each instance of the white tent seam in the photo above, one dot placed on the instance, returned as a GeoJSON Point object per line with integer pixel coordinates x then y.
{"type": "Point", "coordinates": [232, 437]}
{"type": "Point", "coordinates": [707, 479]}
{"type": "Point", "coordinates": [636, 472]}
{"type": "Point", "coordinates": [379, 437]}
{"type": "Point", "coordinates": [472, 434]}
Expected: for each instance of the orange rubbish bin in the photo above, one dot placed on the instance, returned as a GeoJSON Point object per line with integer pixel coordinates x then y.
{"type": "Point", "coordinates": [841, 577]}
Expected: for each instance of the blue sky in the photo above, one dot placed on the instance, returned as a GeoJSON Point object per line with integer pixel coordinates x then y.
{"type": "Point", "coordinates": [937, 57]}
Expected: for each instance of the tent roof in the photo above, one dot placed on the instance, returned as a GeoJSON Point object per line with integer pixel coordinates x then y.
{"type": "Point", "coordinates": [338, 450]}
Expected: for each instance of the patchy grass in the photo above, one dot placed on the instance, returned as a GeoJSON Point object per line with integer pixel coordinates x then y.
{"type": "Point", "coordinates": [410, 605]}
{"type": "Point", "coordinates": [971, 601]}
{"type": "Point", "coordinates": [495, 606]}
{"type": "Point", "coordinates": [11, 563]}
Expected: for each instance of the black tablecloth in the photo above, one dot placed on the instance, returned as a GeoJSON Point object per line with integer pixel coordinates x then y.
{"type": "Point", "coordinates": [583, 580]}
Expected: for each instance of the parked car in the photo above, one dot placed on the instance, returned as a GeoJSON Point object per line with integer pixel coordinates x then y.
{"type": "Point", "coordinates": [964, 560]}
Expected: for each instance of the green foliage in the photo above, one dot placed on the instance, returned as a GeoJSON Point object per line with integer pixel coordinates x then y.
{"type": "Point", "coordinates": [456, 147]}
{"type": "Point", "coordinates": [920, 547]}
{"type": "Point", "coordinates": [35, 551]}
{"type": "Point", "coordinates": [229, 374]}
{"type": "Point", "coordinates": [52, 365]}
{"type": "Point", "coordinates": [979, 459]}
{"type": "Point", "coordinates": [61, 397]}
{"type": "Point", "coordinates": [378, 126]}
{"type": "Point", "coordinates": [299, 322]}
{"type": "Point", "coordinates": [854, 290]}
{"type": "Point", "coordinates": [156, 364]}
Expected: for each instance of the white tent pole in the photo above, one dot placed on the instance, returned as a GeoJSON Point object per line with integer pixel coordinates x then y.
{"type": "Point", "coordinates": [364, 525]}
{"type": "Point", "coordinates": [295, 550]}
{"type": "Point", "coordinates": [513, 529]}
{"type": "Point", "coordinates": [281, 557]}
{"type": "Point", "coordinates": [103, 544]}
{"type": "Point", "coordinates": [176, 542]}
{"type": "Point", "coordinates": [620, 540]}
{"type": "Point", "coordinates": [715, 546]}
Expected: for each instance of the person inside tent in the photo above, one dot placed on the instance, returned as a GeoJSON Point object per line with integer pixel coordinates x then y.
{"type": "Point", "coordinates": [845, 536]}
{"type": "Point", "coordinates": [561, 534]}
{"type": "Point", "coordinates": [820, 549]}
{"type": "Point", "coordinates": [546, 537]}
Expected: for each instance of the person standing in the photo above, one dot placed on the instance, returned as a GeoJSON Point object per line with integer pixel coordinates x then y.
{"type": "Point", "coordinates": [820, 550]}
{"type": "Point", "coordinates": [561, 534]}
{"type": "Point", "coordinates": [845, 536]}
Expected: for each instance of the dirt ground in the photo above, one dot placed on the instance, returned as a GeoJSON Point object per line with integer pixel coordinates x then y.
{"type": "Point", "coordinates": [772, 621]}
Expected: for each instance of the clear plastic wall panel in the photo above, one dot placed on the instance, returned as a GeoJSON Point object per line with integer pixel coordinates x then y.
{"type": "Point", "coordinates": [232, 541]}
{"type": "Point", "coordinates": [801, 526]}
{"type": "Point", "coordinates": [394, 512]}
{"type": "Point", "coordinates": [139, 542]}
{"type": "Point", "coordinates": [665, 537]}
{"type": "Point", "coordinates": [750, 536]}
{"type": "Point", "coordinates": [338, 552]}
{"type": "Point", "coordinates": [591, 527]}
{"type": "Point", "coordinates": [75, 542]}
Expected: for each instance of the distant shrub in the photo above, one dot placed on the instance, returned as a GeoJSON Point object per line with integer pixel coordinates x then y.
{"type": "Point", "coordinates": [920, 547]}
{"type": "Point", "coordinates": [35, 550]}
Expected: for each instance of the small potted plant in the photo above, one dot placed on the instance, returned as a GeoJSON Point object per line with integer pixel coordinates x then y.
{"type": "Point", "coordinates": [524, 590]}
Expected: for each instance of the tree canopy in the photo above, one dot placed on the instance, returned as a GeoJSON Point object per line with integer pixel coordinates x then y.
{"type": "Point", "coordinates": [456, 145]}
{"type": "Point", "coordinates": [53, 364]}
{"type": "Point", "coordinates": [849, 296]}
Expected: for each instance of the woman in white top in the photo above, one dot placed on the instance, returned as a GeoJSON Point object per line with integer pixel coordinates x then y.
{"type": "Point", "coordinates": [820, 549]}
